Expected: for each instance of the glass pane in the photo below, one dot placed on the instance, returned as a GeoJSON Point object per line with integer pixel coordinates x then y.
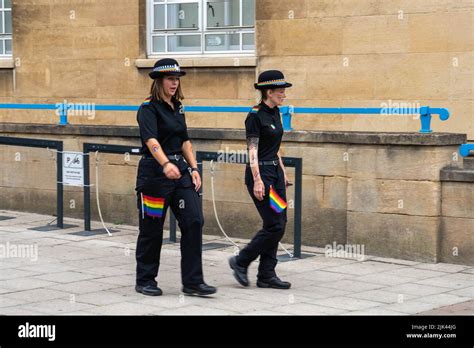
{"type": "Point", "coordinates": [8, 46]}
{"type": "Point", "coordinates": [223, 13]}
{"type": "Point", "coordinates": [1, 47]}
{"type": "Point", "coordinates": [248, 13]}
{"type": "Point", "coordinates": [8, 4]}
{"type": "Point", "coordinates": [8, 22]}
{"type": "Point", "coordinates": [158, 44]}
{"type": "Point", "coordinates": [1, 23]}
{"type": "Point", "coordinates": [222, 42]}
{"type": "Point", "coordinates": [248, 41]}
{"type": "Point", "coordinates": [184, 43]}
{"type": "Point", "coordinates": [183, 16]}
{"type": "Point", "coordinates": [159, 17]}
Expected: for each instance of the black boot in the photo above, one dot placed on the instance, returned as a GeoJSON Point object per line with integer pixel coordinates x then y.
{"type": "Point", "coordinates": [240, 273]}
{"type": "Point", "coordinates": [149, 290]}
{"type": "Point", "coordinates": [199, 289]}
{"type": "Point", "coordinates": [274, 283]}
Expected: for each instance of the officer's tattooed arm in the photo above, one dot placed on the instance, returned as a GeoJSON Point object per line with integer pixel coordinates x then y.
{"type": "Point", "coordinates": [252, 145]}
{"type": "Point", "coordinates": [169, 168]}
{"type": "Point", "coordinates": [258, 185]}
{"type": "Point", "coordinates": [156, 150]}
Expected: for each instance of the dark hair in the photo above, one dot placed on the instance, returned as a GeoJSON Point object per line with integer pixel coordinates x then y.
{"type": "Point", "coordinates": [263, 94]}
{"type": "Point", "coordinates": [157, 92]}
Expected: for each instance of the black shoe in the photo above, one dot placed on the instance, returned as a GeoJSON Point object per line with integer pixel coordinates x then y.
{"type": "Point", "coordinates": [274, 283]}
{"type": "Point", "coordinates": [199, 289]}
{"type": "Point", "coordinates": [240, 273]}
{"type": "Point", "coordinates": [149, 290]}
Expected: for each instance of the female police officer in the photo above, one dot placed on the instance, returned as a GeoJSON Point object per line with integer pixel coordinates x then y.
{"type": "Point", "coordinates": [167, 177]}
{"type": "Point", "coordinates": [266, 182]}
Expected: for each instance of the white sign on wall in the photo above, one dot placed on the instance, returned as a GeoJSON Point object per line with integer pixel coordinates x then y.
{"type": "Point", "coordinates": [73, 168]}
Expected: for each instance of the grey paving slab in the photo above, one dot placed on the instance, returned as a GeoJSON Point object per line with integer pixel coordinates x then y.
{"type": "Point", "coordinates": [33, 295]}
{"type": "Point", "coordinates": [467, 292]}
{"type": "Point", "coordinates": [382, 296]}
{"type": "Point", "coordinates": [410, 307]}
{"type": "Point", "coordinates": [94, 275]}
{"type": "Point", "coordinates": [417, 289]}
{"type": "Point", "coordinates": [346, 303]}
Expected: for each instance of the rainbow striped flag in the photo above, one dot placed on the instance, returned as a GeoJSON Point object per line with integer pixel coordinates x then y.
{"type": "Point", "coordinates": [152, 206]}
{"type": "Point", "coordinates": [276, 202]}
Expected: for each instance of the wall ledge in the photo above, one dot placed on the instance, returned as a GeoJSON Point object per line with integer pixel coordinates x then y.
{"type": "Point", "coordinates": [368, 138]}
{"type": "Point", "coordinates": [457, 174]}
{"type": "Point", "coordinates": [203, 62]}
{"type": "Point", "coordinates": [7, 63]}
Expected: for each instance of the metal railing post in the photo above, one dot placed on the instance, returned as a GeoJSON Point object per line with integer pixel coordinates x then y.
{"type": "Point", "coordinates": [63, 115]}
{"type": "Point", "coordinates": [465, 149]}
{"type": "Point", "coordinates": [59, 186]}
{"type": "Point", "coordinates": [286, 117]}
{"type": "Point", "coordinates": [87, 188]}
{"type": "Point", "coordinates": [425, 118]}
{"type": "Point", "coordinates": [298, 208]}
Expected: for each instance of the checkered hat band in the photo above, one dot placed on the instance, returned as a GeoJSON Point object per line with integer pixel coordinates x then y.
{"type": "Point", "coordinates": [272, 82]}
{"type": "Point", "coordinates": [167, 68]}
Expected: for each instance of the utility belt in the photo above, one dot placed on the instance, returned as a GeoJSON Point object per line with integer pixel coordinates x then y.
{"type": "Point", "coordinates": [267, 163]}
{"type": "Point", "coordinates": [175, 157]}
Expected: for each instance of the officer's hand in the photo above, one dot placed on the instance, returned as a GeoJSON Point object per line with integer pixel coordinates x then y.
{"type": "Point", "coordinates": [259, 189]}
{"type": "Point", "coordinates": [171, 171]}
{"type": "Point", "coordinates": [196, 180]}
{"type": "Point", "coordinates": [287, 181]}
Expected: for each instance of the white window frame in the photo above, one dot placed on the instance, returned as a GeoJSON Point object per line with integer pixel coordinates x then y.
{"type": "Point", "coordinates": [202, 30]}
{"type": "Point", "coordinates": [4, 37]}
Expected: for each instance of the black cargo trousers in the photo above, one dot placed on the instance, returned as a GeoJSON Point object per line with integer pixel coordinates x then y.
{"type": "Point", "coordinates": [265, 242]}
{"type": "Point", "coordinates": [185, 203]}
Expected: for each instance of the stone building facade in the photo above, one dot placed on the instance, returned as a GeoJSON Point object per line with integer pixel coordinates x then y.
{"type": "Point", "coordinates": [370, 180]}
{"type": "Point", "coordinates": [352, 53]}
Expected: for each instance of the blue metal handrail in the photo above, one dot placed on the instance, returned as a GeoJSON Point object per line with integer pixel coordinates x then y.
{"type": "Point", "coordinates": [465, 149]}
{"type": "Point", "coordinates": [425, 112]}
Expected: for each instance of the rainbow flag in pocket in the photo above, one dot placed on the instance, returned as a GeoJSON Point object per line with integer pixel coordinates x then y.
{"type": "Point", "coordinates": [152, 206]}
{"type": "Point", "coordinates": [276, 202]}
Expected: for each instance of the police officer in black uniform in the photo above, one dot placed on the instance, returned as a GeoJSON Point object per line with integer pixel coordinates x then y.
{"type": "Point", "coordinates": [266, 182]}
{"type": "Point", "coordinates": [167, 177]}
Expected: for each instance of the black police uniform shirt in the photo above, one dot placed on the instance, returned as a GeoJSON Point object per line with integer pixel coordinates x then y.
{"type": "Point", "coordinates": [264, 122]}
{"type": "Point", "coordinates": [157, 119]}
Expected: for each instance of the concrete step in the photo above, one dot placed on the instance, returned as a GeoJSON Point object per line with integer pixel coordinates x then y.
{"type": "Point", "coordinates": [468, 162]}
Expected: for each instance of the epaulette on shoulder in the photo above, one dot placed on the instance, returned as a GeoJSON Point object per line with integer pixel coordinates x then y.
{"type": "Point", "coordinates": [255, 109]}
{"type": "Point", "coordinates": [147, 101]}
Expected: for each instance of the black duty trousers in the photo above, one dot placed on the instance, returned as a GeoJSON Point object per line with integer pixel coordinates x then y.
{"type": "Point", "coordinates": [265, 242]}
{"type": "Point", "coordinates": [153, 186]}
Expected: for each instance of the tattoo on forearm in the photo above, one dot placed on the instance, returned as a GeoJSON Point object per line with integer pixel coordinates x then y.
{"type": "Point", "coordinates": [252, 143]}
{"type": "Point", "coordinates": [155, 148]}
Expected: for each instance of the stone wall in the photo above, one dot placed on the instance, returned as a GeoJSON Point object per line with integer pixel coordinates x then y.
{"type": "Point", "coordinates": [353, 53]}
{"type": "Point", "coordinates": [380, 190]}
{"type": "Point", "coordinates": [457, 208]}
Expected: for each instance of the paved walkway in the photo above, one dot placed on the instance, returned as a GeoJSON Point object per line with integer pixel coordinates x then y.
{"type": "Point", "coordinates": [90, 275]}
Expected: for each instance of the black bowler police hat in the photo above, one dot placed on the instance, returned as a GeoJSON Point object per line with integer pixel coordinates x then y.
{"type": "Point", "coordinates": [166, 66]}
{"type": "Point", "coordinates": [271, 79]}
